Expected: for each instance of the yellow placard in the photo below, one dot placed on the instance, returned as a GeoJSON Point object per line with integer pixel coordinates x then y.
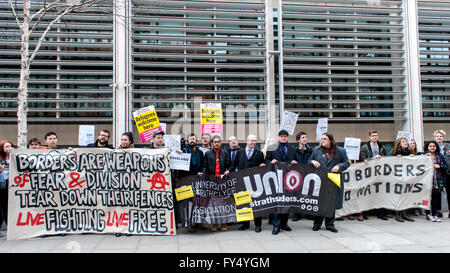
{"type": "Point", "coordinates": [184, 192]}
{"type": "Point", "coordinates": [242, 198]}
{"type": "Point", "coordinates": [336, 178]}
{"type": "Point", "coordinates": [211, 115]}
{"type": "Point", "coordinates": [245, 214]}
{"type": "Point", "coordinates": [147, 121]}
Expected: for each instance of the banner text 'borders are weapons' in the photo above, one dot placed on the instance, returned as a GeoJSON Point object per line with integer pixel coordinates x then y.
{"type": "Point", "coordinates": [90, 191]}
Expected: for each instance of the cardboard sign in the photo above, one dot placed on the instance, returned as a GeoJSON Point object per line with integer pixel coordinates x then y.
{"type": "Point", "coordinates": [288, 122]}
{"type": "Point", "coordinates": [242, 198]}
{"type": "Point", "coordinates": [147, 122]}
{"type": "Point", "coordinates": [180, 161]}
{"type": "Point", "coordinates": [352, 147]}
{"type": "Point", "coordinates": [322, 127]}
{"type": "Point", "coordinates": [86, 135]}
{"type": "Point", "coordinates": [184, 192]}
{"type": "Point", "coordinates": [245, 214]}
{"type": "Point", "coordinates": [211, 118]}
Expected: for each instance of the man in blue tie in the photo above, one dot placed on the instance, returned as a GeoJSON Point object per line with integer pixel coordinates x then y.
{"type": "Point", "coordinates": [282, 153]}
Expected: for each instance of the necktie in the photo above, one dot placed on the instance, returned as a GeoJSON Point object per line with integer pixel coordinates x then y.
{"type": "Point", "coordinates": [249, 154]}
{"type": "Point", "coordinates": [217, 170]}
{"type": "Point", "coordinates": [283, 152]}
{"type": "Point", "coordinates": [233, 155]}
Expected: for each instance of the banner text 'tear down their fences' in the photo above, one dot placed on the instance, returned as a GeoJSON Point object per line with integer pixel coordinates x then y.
{"type": "Point", "coordinates": [90, 191]}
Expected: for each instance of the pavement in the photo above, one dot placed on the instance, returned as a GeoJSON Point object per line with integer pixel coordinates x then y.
{"type": "Point", "coordinates": [369, 236]}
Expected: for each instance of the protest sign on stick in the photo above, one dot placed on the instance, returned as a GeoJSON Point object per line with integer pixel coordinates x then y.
{"type": "Point", "coordinates": [288, 122]}
{"type": "Point", "coordinates": [352, 147]}
{"type": "Point", "coordinates": [147, 122]}
{"type": "Point", "coordinates": [322, 127]}
{"type": "Point", "coordinates": [211, 118]}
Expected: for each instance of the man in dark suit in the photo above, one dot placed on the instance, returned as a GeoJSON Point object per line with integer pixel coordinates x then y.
{"type": "Point", "coordinates": [245, 159]}
{"type": "Point", "coordinates": [282, 153]}
{"type": "Point", "coordinates": [232, 149]}
{"type": "Point", "coordinates": [216, 163]}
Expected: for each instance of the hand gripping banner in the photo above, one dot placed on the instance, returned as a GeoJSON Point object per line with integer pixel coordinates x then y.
{"type": "Point", "coordinates": [90, 191]}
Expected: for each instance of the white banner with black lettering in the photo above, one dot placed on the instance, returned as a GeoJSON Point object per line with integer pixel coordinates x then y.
{"type": "Point", "coordinates": [394, 183]}
{"type": "Point", "coordinates": [90, 190]}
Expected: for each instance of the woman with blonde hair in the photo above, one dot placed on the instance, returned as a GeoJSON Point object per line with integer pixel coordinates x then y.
{"type": "Point", "coordinates": [270, 141]}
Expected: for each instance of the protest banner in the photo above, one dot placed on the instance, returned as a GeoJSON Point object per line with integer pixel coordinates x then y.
{"type": "Point", "coordinates": [281, 188]}
{"type": "Point", "coordinates": [147, 122]}
{"type": "Point", "coordinates": [352, 147]}
{"type": "Point", "coordinates": [211, 118]}
{"type": "Point", "coordinates": [95, 190]}
{"type": "Point", "coordinates": [288, 122]}
{"type": "Point", "coordinates": [389, 182]}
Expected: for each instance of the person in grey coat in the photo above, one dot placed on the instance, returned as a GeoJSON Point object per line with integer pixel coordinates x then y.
{"type": "Point", "coordinates": [333, 158]}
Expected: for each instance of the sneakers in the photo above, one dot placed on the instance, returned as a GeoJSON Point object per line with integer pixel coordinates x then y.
{"type": "Point", "coordinates": [433, 218]}
{"type": "Point", "coordinates": [436, 219]}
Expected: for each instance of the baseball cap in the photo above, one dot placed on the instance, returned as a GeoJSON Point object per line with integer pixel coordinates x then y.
{"type": "Point", "coordinates": [158, 132]}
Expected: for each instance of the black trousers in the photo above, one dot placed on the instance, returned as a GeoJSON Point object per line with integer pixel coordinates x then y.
{"type": "Point", "coordinates": [447, 190]}
{"type": "Point", "coordinates": [436, 200]}
{"type": "Point", "coordinates": [257, 220]}
{"type": "Point", "coordinates": [280, 219]}
{"type": "Point", "coordinates": [3, 206]}
{"type": "Point", "coordinates": [329, 221]}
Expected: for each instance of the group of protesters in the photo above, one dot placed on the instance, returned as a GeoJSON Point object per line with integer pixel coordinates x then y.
{"type": "Point", "coordinates": [210, 158]}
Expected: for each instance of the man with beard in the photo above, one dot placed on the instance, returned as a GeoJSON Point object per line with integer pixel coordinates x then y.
{"type": "Point", "coordinates": [196, 166]}
{"type": "Point", "coordinates": [217, 163]}
{"type": "Point", "coordinates": [102, 140]}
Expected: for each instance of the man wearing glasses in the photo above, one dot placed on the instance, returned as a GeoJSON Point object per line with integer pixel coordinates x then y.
{"type": "Point", "coordinates": [102, 140]}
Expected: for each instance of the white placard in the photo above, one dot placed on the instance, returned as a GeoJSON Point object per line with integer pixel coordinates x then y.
{"type": "Point", "coordinates": [288, 122]}
{"type": "Point", "coordinates": [352, 147]}
{"type": "Point", "coordinates": [322, 127]}
{"type": "Point", "coordinates": [86, 135]}
{"type": "Point", "coordinates": [180, 161]}
{"type": "Point", "coordinates": [163, 127]}
{"type": "Point", "coordinates": [173, 142]}
{"type": "Point", "coordinates": [406, 135]}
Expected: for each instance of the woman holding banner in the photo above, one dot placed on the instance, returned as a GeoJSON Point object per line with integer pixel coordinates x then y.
{"type": "Point", "coordinates": [402, 148]}
{"type": "Point", "coordinates": [6, 147]}
{"type": "Point", "coordinates": [440, 168]}
{"type": "Point", "coordinates": [126, 142]}
{"type": "Point", "coordinates": [334, 158]}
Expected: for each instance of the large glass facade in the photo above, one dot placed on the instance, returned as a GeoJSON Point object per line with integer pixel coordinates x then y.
{"type": "Point", "coordinates": [434, 34]}
{"type": "Point", "coordinates": [343, 60]}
